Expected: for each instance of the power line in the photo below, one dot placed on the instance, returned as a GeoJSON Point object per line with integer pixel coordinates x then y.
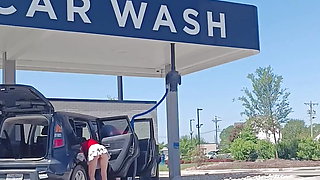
{"type": "Point", "coordinates": [312, 114]}
{"type": "Point", "coordinates": [207, 132]}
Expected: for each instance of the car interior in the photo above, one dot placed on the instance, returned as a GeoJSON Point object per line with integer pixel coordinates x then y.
{"type": "Point", "coordinates": [24, 137]}
{"type": "Point", "coordinates": [143, 129]}
{"type": "Point", "coordinates": [80, 128]}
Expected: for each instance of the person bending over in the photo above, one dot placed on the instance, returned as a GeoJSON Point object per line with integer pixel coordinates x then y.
{"type": "Point", "coordinates": [96, 155]}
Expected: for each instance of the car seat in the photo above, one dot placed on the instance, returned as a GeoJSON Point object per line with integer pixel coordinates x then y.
{"type": "Point", "coordinates": [42, 142]}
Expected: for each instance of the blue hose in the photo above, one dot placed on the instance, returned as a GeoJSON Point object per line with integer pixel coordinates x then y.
{"type": "Point", "coordinates": [148, 111]}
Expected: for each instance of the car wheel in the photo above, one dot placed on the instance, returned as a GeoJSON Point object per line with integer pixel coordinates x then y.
{"type": "Point", "coordinates": [79, 173]}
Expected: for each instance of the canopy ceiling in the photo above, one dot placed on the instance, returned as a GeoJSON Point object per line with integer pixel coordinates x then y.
{"type": "Point", "coordinates": [43, 50]}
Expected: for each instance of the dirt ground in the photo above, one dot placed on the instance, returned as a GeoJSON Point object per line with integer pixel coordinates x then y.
{"type": "Point", "coordinates": [276, 163]}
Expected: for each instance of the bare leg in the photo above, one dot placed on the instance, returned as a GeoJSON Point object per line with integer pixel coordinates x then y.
{"type": "Point", "coordinates": [103, 160]}
{"type": "Point", "coordinates": [92, 166]}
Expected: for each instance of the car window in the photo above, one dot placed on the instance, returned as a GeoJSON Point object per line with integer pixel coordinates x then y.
{"type": "Point", "coordinates": [80, 128]}
{"type": "Point", "coordinates": [27, 136]}
{"type": "Point", "coordinates": [114, 127]}
{"type": "Point", "coordinates": [25, 133]}
{"type": "Point", "coordinates": [142, 129]}
{"type": "Point", "coordinates": [85, 130]}
{"type": "Point", "coordinates": [94, 128]}
{"type": "Point", "coordinates": [23, 128]}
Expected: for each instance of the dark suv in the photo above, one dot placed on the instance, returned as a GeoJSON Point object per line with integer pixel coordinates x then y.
{"type": "Point", "coordinates": [38, 143]}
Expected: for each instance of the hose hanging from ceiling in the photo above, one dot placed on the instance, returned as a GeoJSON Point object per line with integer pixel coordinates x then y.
{"type": "Point", "coordinates": [150, 110]}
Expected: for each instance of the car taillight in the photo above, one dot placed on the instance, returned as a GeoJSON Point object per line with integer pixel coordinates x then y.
{"type": "Point", "coordinates": [58, 143]}
{"type": "Point", "coordinates": [58, 140]}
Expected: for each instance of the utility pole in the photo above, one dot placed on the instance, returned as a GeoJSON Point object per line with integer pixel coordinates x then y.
{"type": "Point", "coordinates": [312, 114]}
{"type": "Point", "coordinates": [198, 125]}
{"type": "Point", "coordinates": [216, 120]}
{"type": "Point", "coordinates": [191, 132]}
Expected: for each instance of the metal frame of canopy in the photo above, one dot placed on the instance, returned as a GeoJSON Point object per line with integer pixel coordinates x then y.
{"type": "Point", "coordinates": [120, 37]}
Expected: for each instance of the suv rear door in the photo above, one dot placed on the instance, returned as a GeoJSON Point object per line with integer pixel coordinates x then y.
{"type": "Point", "coordinates": [23, 99]}
{"type": "Point", "coordinates": [122, 143]}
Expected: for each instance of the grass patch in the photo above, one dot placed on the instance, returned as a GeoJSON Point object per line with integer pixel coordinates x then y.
{"type": "Point", "coordinates": [163, 167]}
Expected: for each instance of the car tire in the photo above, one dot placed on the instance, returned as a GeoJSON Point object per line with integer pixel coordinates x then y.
{"type": "Point", "coordinates": [79, 173]}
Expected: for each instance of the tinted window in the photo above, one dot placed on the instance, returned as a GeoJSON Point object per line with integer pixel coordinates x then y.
{"type": "Point", "coordinates": [142, 129]}
{"type": "Point", "coordinates": [80, 128]}
{"type": "Point", "coordinates": [114, 127]}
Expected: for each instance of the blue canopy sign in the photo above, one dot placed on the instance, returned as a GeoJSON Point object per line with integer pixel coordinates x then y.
{"type": "Point", "coordinates": [205, 22]}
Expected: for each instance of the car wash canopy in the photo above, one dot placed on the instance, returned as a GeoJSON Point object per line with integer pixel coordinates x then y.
{"type": "Point", "coordinates": [207, 33]}
{"type": "Point", "coordinates": [128, 38]}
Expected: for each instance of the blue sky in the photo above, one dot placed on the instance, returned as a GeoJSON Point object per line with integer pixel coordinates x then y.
{"type": "Point", "coordinates": [289, 39]}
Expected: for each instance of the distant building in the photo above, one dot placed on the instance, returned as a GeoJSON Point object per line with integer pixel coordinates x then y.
{"type": "Point", "coordinates": [205, 148]}
{"type": "Point", "coordinates": [269, 136]}
{"type": "Point", "coordinates": [317, 138]}
{"type": "Point", "coordinates": [262, 135]}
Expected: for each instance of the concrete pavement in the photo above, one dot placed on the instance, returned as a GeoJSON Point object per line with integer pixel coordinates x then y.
{"type": "Point", "coordinates": [304, 173]}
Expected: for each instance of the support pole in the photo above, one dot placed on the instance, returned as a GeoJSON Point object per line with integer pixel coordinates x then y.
{"type": "Point", "coordinates": [312, 114]}
{"type": "Point", "coordinates": [120, 88]}
{"type": "Point", "coordinates": [191, 131]}
{"type": "Point", "coordinates": [198, 126]}
{"type": "Point", "coordinates": [8, 70]}
{"type": "Point", "coordinates": [173, 78]}
{"type": "Point", "coordinates": [216, 120]}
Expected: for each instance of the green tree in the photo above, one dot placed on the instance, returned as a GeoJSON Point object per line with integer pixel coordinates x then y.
{"type": "Point", "coordinates": [247, 134]}
{"type": "Point", "coordinates": [295, 129]}
{"type": "Point", "coordinates": [162, 145]}
{"type": "Point", "coordinates": [265, 149]}
{"type": "Point", "coordinates": [308, 149]}
{"type": "Point", "coordinates": [187, 147]}
{"type": "Point", "coordinates": [292, 133]}
{"type": "Point", "coordinates": [288, 148]}
{"type": "Point", "coordinates": [242, 149]}
{"type": "Point", "coordinates": [266, 105]}
{"type": "Point", "coordinates": [236, 131]}
{"type": "Point", "coordinates": [225, 138]}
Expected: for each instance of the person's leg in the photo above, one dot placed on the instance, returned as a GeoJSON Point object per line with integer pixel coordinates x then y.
{"type": "Point", "coordinates": [92, 166]}
{"type": "Point", "coordinates": [103, 160]}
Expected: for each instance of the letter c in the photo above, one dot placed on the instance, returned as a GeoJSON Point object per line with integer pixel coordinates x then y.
{"type": "Point", "coordinates": [8, 10]}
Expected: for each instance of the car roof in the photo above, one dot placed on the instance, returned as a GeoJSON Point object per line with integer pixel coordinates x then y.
{"type": "Point", "coordinates": [78, 115]}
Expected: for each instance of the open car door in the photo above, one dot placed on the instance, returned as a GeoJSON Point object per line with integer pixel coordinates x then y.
{"type": "Point", "coordinates": [149, 156]}
{"type": "Point", "coordinates": [116, 134]}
